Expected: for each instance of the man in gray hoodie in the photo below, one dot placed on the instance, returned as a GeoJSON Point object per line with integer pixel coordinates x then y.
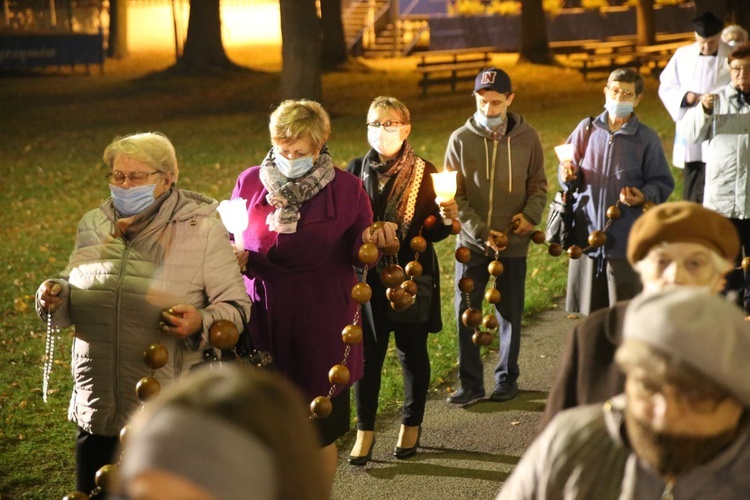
{"type": "Point", "coordinates": [501, 190]}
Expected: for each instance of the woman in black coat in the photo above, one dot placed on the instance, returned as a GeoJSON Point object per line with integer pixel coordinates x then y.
{"type": "Point", "coordinates": [400, 189]}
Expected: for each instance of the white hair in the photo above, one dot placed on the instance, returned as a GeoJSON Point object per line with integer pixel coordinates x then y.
{"type": "Point", "coordinates": [151, 148]}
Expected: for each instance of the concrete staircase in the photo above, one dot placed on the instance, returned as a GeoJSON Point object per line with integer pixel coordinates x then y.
{"type": "Point", "coordinates": [370, 33]}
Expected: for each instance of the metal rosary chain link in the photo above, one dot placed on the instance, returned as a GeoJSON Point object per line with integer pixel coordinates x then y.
{"type": "Point", "coordinates": [347, 350]}
{"type": "Point", "coordinates": [606, 227]}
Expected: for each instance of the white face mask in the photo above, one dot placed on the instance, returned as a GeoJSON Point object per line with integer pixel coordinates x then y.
{"type": "Point", "coordinates": [384, 142]}
{"type": "Point", "coordinates": [292, 169]}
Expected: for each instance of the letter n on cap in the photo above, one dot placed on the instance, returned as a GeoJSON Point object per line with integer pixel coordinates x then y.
{"type": "Point", "coordinates": [488, 77]}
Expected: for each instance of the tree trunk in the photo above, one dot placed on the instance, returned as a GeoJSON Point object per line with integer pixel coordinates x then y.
{"type": "Point", "coordinates": [204, 50]}
{"type": "Point", "coordinates": [534, 42]}
{"type": "Point", "coordinates": [300, 50]}
{"type": "Point", "coordinates": [334, 43]}
{"type": "Point", "coordinates": [646, 29]}
{"type": "Point", "coordinates": [118, 29]}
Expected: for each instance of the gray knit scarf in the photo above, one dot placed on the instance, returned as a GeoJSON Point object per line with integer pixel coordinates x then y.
{"type": "Point", "coordinates": [287, 195]}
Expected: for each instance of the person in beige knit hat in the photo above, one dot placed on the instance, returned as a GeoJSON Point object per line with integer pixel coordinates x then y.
{"type": "Point", "coordinates": [680, 428]}
{"type": "Point", "coordinates": [672, 245]}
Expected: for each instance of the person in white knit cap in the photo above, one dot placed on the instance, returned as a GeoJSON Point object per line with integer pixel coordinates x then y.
{"type": "Point", "coordinates": [679, 430]}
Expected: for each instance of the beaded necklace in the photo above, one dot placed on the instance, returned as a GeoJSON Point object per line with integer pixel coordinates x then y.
{"type": "Point", "coordinates": [472, 316]}
{"type": "Point", "coordinates": [596, 239]}
{"type": "Point", "coordinates": [53, 332]}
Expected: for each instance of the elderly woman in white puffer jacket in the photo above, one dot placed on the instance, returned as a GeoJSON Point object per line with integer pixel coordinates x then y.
{"type": "Point", "coordinates": [722, 123]}
{"type": "Point", "coordinates": [153, 264]}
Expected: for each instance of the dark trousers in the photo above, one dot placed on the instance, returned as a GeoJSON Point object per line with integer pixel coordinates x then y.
{"type": "Point", "coordinates": [512, 287]}
{"type": "Point", "coordinates": [92, 453]}
{"type": "Point", "coordinates": [411, 346]}
{"type": "Point", "coordinates": [738, 281]}
{"type": "Point", "coordinates": [694, 176]}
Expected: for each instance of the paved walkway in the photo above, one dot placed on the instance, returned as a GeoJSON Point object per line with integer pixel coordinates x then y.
{"type": "Point", "coordinates": [467, 452]}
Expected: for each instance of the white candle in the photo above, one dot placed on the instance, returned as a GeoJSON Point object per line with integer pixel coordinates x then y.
{"type": "Point", "coordinates": [445, 188]}
{"type": "Point", "coordinates": [565, 152]}
{"type": "Point", "coordinates": [233, 214]}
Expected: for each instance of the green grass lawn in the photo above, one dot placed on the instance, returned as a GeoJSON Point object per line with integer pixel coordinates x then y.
{"type": "Point", "coordinates": [53, 130]}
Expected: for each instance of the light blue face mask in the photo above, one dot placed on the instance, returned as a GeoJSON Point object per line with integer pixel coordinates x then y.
{"type": "Point", "coordinates": [488, 122]}
{"type": "Point", "coordinates": [133, 200]}
{"type": "Point", "coordinates": [291, 169]}
{"type": "Point", "coordinates": [619, 109]}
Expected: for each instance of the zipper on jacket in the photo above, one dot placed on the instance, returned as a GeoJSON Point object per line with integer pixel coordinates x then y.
{"type": "Point", "coordinates": [492, 181]}
{"type": "Point", "coordinates": [486, 160]}
{"type": "Point", "coordinates": [116, 337]}
{"type": "Point", "coordinates": [510, 169]}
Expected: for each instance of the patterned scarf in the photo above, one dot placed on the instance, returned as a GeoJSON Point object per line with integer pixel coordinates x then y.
{"type": "Point", "coordinates": [287, 195]}
{"type": "Point", "coordinates": [404, 181]}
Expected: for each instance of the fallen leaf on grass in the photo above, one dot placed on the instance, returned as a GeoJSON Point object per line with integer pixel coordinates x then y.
{"type": "Point", "coordinates": [20, 305]}
{"type": "Point", "coordinates": [515, 422]}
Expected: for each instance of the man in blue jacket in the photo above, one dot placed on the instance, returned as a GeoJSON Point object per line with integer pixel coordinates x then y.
{"type": "Point", "coordinates": [618, 159]}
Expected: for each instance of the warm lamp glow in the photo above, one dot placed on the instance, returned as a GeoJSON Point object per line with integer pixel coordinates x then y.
{"type": "Point", "coordinates": [565, 152]}
{"type": "Point", "coordinates": [233, 214]}
{"type": "Point", "coordinates": [445, 188]}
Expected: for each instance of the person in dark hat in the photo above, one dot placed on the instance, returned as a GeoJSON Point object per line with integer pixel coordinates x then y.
{"type": "Point", "coordinates": [501, 188]}
{"type": "Point", "coordinates": [675, 244]}
{"type": "Point", "coordinates": [681, 427]}
{"type": "Point", "coordinates": [695, 69]}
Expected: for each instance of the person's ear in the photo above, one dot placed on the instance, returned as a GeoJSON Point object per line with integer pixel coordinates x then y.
{"type": "Point", "coordinates": [405, 131]}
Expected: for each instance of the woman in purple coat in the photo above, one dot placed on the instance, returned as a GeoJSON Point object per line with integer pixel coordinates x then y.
{"type": "Point", "coordinates": [307, 220]}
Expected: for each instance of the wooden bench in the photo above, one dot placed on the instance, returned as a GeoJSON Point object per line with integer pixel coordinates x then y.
{"type": "Point", "coordinates": [655, 57]}
{"type": "Point", "coordinates": [440, 67]}
{"type": "Point", "coordinates": [683, 38]}
{"type": "Point", "coordinates": [622, 52]}
{"type": "Point", "coordinates": [608, 61]}
{"type": "Point", "coordinates": [606, 56]}
{"type": "Point", "coordinates": [567, 47]}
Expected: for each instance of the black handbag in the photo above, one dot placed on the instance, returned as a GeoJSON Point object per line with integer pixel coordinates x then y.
{"type": "Point", "coordinates": [560, 218]}
{"type": "Point", "coordinates": [244, 352]}
{"type": "Point", "coordinates": [419, 312]}
{"type": "Point", "coordinates": [560, 225]}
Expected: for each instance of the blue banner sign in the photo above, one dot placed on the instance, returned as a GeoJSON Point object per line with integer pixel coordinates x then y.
{"type": "Point", "coordinates": [28, 51]}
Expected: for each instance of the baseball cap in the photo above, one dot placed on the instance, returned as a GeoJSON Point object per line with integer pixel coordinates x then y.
{"type": "Point", "coordinates": [493, 79]}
